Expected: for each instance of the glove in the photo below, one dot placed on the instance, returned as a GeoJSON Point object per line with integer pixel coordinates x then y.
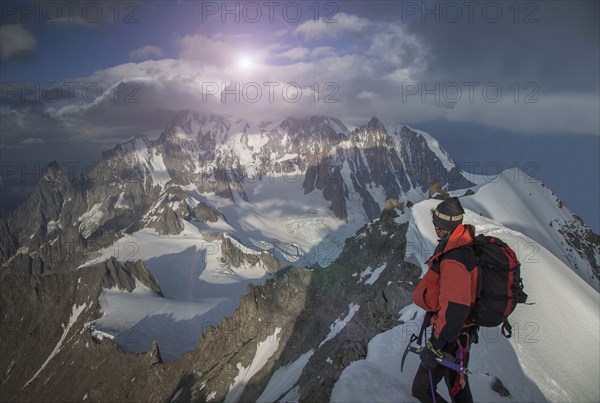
{"type": "Point", "coordinates": [430, 353]}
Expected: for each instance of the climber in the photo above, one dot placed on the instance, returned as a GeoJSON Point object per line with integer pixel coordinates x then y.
{"type": "Point", "coordinates": [447, 291]}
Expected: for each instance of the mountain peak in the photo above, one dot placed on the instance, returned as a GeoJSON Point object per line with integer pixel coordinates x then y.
{"type": "Point", "coordinates": [128, 146]}
{"type": "Point", "coordinates": [375, 125]}
{"type": "Point", "coordinates": [314, 125]}
{"type": "Point", "coordinates": [53, 171]}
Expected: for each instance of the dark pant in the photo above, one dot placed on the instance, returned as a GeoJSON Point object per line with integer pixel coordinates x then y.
{"type": "Point", "coordinates": [422, 391]}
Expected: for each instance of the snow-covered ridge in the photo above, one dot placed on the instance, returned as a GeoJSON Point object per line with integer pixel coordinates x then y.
{"type": "Point", "coordinates": [524, 204]}
{"type": "Point", "coordinates": [535, 364]}
{"type": "Point", "coordinates": [434, 146]}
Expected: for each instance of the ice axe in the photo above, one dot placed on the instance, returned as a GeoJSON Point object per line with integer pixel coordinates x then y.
{"type": "Point", "coordinates": [447, 361]}
{"type": "Point", "coordinates": [416, 338]}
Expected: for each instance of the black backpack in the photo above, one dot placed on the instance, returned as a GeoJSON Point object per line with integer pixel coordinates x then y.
{"type": "Point", "coordinates": [500, 287]}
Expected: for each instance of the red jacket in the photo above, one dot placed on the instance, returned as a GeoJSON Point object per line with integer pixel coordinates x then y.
{"type": "Point", "coordinates": [450, 285]}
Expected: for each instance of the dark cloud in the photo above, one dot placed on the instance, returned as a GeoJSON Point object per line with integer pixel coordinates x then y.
{"type": "Point", "coordinates": [17, 43]}
{"type": "Point", "coordinates": [552, 43]}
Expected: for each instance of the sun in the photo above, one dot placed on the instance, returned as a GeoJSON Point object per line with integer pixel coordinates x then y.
{"type": "Point", "coordinates": [245, 63]}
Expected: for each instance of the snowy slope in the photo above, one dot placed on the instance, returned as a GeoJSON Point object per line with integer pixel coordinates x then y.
{"type": "Point", "coordinates": [199, 291]}
{"type": "Point", "coordinates": [553, 355]}
{"type": "Point", "coordinates": [524, 204]}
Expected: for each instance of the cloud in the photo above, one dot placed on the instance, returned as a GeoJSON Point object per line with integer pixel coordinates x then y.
{"type": "Point", "coordinates": [388, 70]}
{"type": "Point", "coordinates": [341, 24]}
{"type": "Point", "coordinates": [295, 53]}
{"type": "Point", "coordinates": [33, 140]}
{"type": "Point", "coordinates": [553, 43]}
{"type": "Point", "coordinates": [366, 95]}
{"type": "Point", "coordinates": [571, 113]}
{"type": "Point", "coordinates": [323, 51]}
{"type": "Point", "coordinates": [16, 43]}
{"type": "Point", "coordinates": [209, 51]}
{"type": "Point", "coordinates": [145, 52]}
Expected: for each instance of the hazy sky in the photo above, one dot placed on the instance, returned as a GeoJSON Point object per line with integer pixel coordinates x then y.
{"type": "Point", "coordinates": [82, 75]}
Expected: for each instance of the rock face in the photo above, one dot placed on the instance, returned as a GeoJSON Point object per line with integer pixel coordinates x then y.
{"type": "Point", "coordinates": [126, 276]}
{"type": "Point", "coordinates": [167, 213]}
{"type": "Point", "coordinates": [38, 216]}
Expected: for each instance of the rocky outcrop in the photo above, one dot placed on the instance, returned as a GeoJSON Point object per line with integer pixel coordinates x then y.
{"type": "Point", "coordinates": [36, 220]}
{"type": "Point", "coordinates": [389, 209]}
{"type": "Point", "coordinates": [166, 222]}
{"type": "Point", "coordinates": [234, 254]}
{"type": "Point", "coordinates": [166, 215]}
{"type": "Point", "coordinates": [585, 243]}
{"type": "Point", "coordinates": [63, 253]}
{"type": "Point", "coordinates": [326, 177]}
{"type": "Point", "coordinates": [436, 191]}
{"type": "Point", "coordinates": [424, 161]}
{"type": "Point", "coordinates": [205, 212]}
{"type": "Point", "coordinates": [63, 222]}
{"type": "Point", "coordinates": [125, 276]}
{"type": "Point", "coordinates": [155, 354]}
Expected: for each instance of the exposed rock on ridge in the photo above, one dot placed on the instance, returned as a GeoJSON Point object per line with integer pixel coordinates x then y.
{"type": "Point", "coordinates": [124, 276]}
